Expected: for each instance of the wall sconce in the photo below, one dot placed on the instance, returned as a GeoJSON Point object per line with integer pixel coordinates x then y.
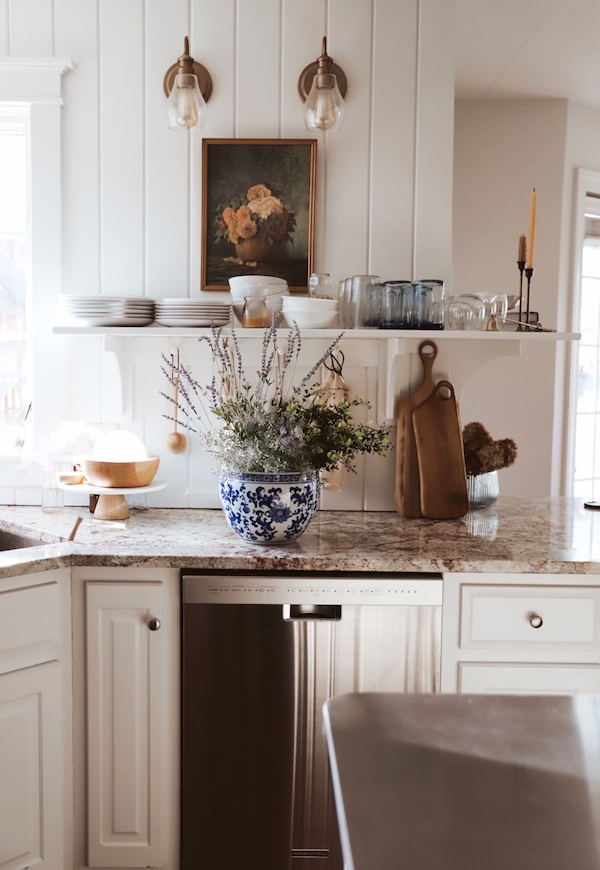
{"type": "Point", "coordinates": [322, 87]}
{"type": "Point", "coordinates": [188, 86]}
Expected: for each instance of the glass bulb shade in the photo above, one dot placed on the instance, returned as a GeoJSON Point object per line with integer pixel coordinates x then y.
{"type": "Point", "coordinates": [185, 105]}
{"type": "Point", "coordinates": [324, 106]}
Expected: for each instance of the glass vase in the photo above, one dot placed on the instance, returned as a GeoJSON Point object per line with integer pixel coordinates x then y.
{"type": "Point", "coordinates": [483, 490]}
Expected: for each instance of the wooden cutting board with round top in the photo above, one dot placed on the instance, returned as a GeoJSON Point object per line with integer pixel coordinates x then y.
{"type": "Point", "coordinates": [408, 490]}
{"type": "Point", "coordinates": [440, 453]}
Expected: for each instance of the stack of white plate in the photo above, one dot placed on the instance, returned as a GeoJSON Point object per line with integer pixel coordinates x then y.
{"type": "Point", "coordinates": [192, 312]}
{"type": "Point", "coordinates": [107, 310]}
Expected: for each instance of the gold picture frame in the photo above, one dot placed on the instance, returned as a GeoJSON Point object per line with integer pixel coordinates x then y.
{"type": "Point", "coordinates": [258, 210]}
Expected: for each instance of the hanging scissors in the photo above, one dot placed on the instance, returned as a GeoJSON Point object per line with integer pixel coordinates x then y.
{"type": "Point", "coordinates": [335, 363]}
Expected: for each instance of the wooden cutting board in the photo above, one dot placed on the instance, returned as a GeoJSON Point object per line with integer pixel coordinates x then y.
{"type": "Point", "coordinates": [408, 491]}
{"type": "Point", "coordinates": [438, 437]}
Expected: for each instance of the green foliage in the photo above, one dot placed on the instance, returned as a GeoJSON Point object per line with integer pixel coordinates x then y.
{"type": "Point", "coordinates": [271, 425]}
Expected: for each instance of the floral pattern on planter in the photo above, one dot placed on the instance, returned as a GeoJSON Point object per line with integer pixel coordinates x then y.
{"type": "Point", "coordinates": [268, 508]}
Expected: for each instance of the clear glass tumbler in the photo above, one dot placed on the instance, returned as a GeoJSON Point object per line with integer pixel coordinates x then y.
{"type": "Point", "coordinates": [428, 304]}
{"type": "Point", "coordinates": [396, 305]}
{"type": "Point", "coordinates": [359, 306]}
{"type": "Point", "coordinates": [53, 499]}
{"type": "Point", "coordinates": [319, 284]}
{"type": "Point", "coordinates": [255, 313]}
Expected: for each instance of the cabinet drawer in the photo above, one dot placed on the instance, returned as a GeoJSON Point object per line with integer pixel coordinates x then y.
{"type": "Point", "coordinates": [551, 679]}
{"type": "Point", "coordinates": [30, 624]}
{"type": "Point", "coordinates": [526, 617]}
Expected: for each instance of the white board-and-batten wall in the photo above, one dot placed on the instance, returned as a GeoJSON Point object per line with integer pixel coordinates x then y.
{"type": "Point", "coordinates": [131, 189]}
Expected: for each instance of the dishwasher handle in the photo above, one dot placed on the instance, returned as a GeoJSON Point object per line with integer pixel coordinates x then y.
{"type": "Point", "coordinates": [317, 612]}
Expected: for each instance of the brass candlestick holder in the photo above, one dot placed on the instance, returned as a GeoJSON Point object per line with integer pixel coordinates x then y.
{"type": "Point", "coordinates": [521, 265]}
{"type": "Point", "coordinates": [523, 324]}
{"type": "Point", "coordinates": [529, 276]}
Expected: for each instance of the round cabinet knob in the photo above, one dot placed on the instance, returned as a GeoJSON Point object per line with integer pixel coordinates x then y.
{"type": "Point", "coordinates": [153, 623]}
{"type": "Point", "coordinates": [536, 621]}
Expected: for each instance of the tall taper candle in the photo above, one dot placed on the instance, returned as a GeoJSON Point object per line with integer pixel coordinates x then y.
{"type": "Point", "coordinates": [522, 256]}
{"type": "Point", "coordinates": [531, 242]}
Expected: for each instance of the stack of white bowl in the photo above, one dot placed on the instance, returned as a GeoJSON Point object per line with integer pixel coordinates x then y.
{"type": "Point", "coordinates": [311, 312]}
{"type": "Point", "coordinates": [273, 290]}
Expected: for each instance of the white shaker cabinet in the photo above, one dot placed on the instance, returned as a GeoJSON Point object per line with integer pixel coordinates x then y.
{"type": "Point", "coordinates": [130, 715]}
{"type": "Point", "coordinates": [35, 721]}
{"type": "Point", "coordinates": [521, 633]}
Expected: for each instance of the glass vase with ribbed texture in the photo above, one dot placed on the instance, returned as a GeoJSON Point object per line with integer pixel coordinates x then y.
{"type": "Point", "coordinates": [483, 489]}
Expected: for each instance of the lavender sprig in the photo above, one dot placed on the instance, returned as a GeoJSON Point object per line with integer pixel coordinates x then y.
{"type": "Point", "coordinates": [269, 424]}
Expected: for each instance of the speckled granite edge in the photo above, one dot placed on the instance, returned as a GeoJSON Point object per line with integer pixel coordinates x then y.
{"type": "Point", "coordinates": [541, 536]}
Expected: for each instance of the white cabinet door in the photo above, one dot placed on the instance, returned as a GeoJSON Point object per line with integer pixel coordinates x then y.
{"type": "Point", "coordinates": [31, 769]}
{"type": "Point", "coordinates": [126, 724]}
{"type": "Point", "coordinates": [35, 720]}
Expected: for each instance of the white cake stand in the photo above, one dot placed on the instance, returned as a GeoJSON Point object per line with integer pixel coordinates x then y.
{"type": "Point", "coordinates": [112, 504]}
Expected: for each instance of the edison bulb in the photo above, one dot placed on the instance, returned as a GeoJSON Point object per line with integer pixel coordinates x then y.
{"type": "Point", "coordinates": [324, 104]}
{"type": "Point", "coordinates": [185, 107]}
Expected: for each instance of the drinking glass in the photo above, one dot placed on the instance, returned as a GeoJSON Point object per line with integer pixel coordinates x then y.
{"type": "Point", "coordinates": [396, 305]}
{"type": "Point", "coordinates": [345, 303]}
{"type": "Point", "coordinates": [496, 304]}
{"type": "Point", "coordinates": [319, 284]}
{"type": "Point", "coordinates": [360, 299]}
{"type": "Point", "coordinates": [52, 497]}
{"type": "Point", "coordinates": [428, 304]}
{"type": "Point", "coordinates": [255, 313]}
{"type": "Point", "coordinates": [465, 312]}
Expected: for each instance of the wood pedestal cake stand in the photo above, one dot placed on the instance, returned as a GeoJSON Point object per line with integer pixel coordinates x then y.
{"type": "Point", "coordinates": [112, 504]}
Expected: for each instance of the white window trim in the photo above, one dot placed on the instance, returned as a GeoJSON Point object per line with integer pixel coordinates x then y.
{"type": "Point", "coordinates": [37, 84]}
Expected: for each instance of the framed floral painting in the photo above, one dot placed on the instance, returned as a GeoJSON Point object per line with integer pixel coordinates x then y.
{"type": "Point", "coordinates": [258, 210]}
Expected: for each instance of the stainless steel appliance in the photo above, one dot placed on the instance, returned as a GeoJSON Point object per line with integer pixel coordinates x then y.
{"type": "Point", "coordinates": [261, 654]}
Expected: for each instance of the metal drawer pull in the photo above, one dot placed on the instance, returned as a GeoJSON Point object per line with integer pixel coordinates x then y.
{"type": "Point", "coordinates": [536, 621]}
{"type": "Point", "coordinates": [329, 612]}
{"type": "Point", "coordinates": [153, 623]}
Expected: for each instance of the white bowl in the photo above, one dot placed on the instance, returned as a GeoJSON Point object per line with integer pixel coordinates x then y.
{"type": "Point", "coordinates": [249, 280]}
{"type": "Point", "coordinates": [309, 319]}
{"type": "Point", "coordinates": [309, 303]}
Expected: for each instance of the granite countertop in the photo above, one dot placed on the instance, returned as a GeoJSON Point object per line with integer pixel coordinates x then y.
{"type": "Point", "coordinates": [516, 535]}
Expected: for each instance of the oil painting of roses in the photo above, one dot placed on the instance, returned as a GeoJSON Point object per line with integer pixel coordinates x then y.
{"type": "Point", "coordinates": [258, 210]}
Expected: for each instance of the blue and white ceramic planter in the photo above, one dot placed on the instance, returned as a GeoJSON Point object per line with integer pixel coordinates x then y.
{"type": "Point", "coordinates": [268, 508]}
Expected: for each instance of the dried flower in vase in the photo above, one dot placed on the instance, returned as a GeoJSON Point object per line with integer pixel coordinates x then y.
{"type": "Point", "coordinates": [482, 453]}
{"type": "Point", "coordinates": [268, 423]}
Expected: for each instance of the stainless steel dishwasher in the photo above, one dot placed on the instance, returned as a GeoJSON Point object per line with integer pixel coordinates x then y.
{"type": "Point", "coordinates": [261, 654]}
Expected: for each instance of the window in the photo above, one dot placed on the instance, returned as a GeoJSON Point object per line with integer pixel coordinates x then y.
{"type": "Point", "coordinates": [15, 378]}
{"type": "Point", "coordinates": [586, 472]}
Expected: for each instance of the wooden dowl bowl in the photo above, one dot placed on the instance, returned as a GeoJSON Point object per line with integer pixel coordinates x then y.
{"type": "Point", "coordinates": [109, 473]}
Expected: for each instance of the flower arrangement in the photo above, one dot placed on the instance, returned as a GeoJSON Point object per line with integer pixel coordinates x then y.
{"type": "Point", "coordinates": [259, 213]}
{"type": "Point", "coordinates": [482, 453]}
{"type": "Point", "coordinates": [270, 425]}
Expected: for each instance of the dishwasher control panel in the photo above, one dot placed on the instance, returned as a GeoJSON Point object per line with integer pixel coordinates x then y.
{"type": "Point", "coordinates": [416, 589]}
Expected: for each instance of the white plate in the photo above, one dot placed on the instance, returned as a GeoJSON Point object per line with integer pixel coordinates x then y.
{"type": "Point", "coordinates": [104, 300]}
{"type": "Point", "coordinates": [218, 315]}
{"type": "Point", "coordinates": [93, 309]}
{"type": "Point", "coordinates": [221, 308]}
{"type": "Point", "coordinates": [112, 321]}
{"type": "Point", "coordinates": [181, 300]}
{"type": "Point", "coordinates": [192, 321]}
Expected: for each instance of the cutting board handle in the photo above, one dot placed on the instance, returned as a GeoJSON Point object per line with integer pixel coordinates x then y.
{"type": "Point", "coordinates": [428, 351]}
{"type": "Point", "coordinates": [444, 391]}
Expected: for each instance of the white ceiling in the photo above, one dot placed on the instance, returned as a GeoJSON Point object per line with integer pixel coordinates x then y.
{"type": "Point", "coordinates": [528, 49]}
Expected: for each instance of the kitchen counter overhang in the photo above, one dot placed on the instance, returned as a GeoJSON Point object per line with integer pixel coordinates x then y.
{"type": "Point", "coordinates": [516, 535]}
